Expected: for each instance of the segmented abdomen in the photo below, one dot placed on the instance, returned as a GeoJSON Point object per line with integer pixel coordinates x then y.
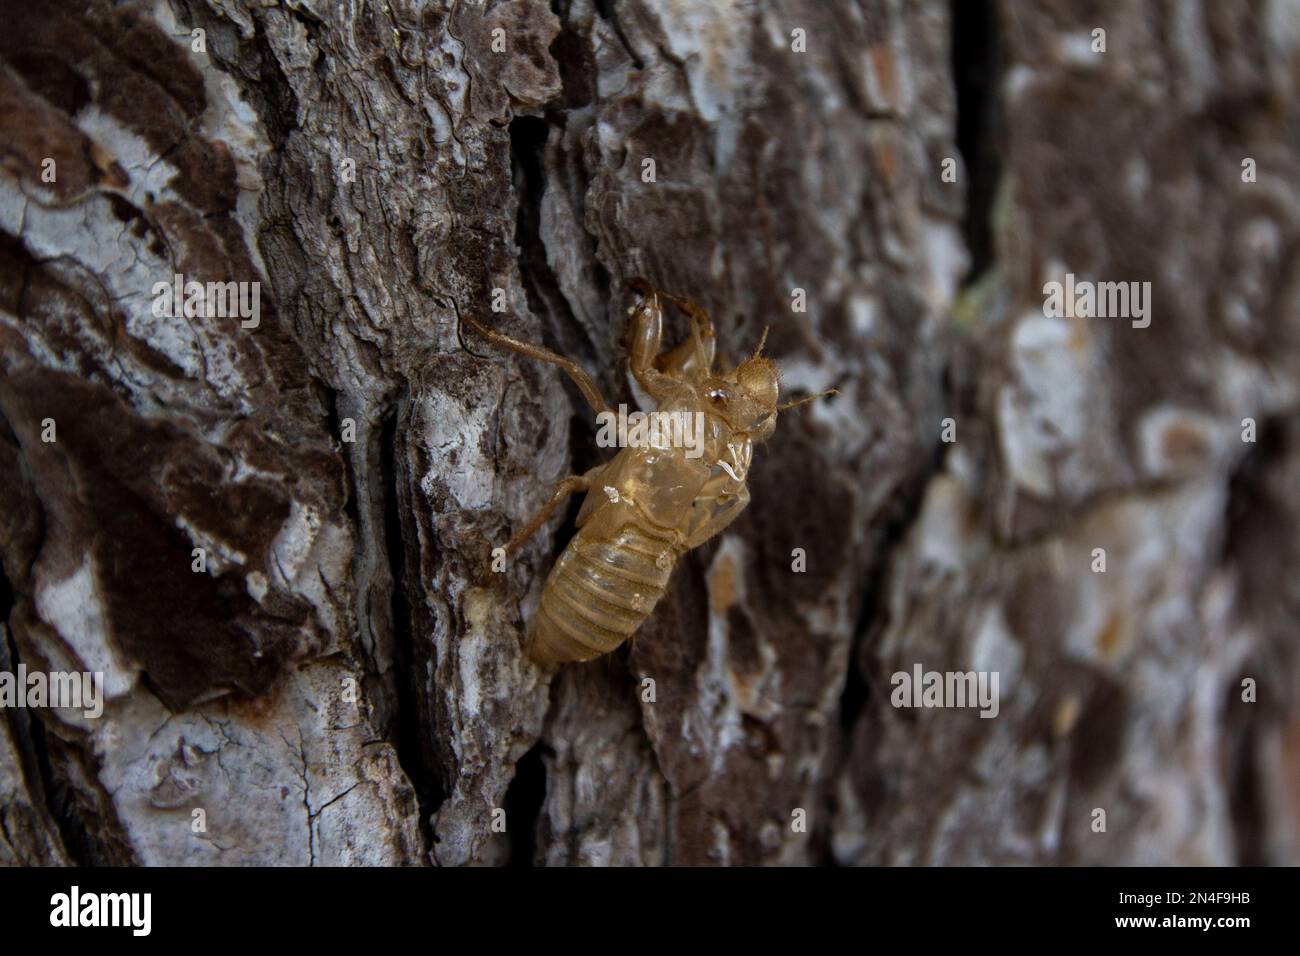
{"type": "Point", "coordinates": [599, 592]}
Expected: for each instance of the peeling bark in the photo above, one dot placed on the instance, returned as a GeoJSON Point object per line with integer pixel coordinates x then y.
{"type": "Point", "coordinates": [343, 679]}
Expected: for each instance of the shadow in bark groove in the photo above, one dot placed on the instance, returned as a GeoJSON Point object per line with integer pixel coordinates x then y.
{"type": "Point", "coordinates": [413, 748]}
{"type": "Point", "coordinates": [31, 738]}
{"type": "Point", "coordinates": [528, 136]}
{"type": "Point", "coordinates": [1253, 520]}
{"type": "Point", "coordinates": [523, 805]}
{"type": "Point", "coordinates": [976, 71]}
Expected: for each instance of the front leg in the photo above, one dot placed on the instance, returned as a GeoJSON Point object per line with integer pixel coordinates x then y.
{"type": "Point", "coordinates": [645, 336]}
{"type": "Point", "coordinates": [693, 358]}
{"type": "Point", "coordinates": [719, 503]}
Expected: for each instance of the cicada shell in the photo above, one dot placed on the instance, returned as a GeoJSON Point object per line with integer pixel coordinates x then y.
{"type": "Point", "coordinates": [659, 497]}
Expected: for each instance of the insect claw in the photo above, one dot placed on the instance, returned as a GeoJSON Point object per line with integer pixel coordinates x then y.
{"type": "Point", "coordinates": [641, 287]}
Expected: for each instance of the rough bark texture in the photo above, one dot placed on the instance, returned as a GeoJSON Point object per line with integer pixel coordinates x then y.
{"type": "Point", "coordinates": [344, 681]}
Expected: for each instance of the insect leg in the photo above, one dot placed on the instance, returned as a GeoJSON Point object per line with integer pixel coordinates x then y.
{"type": "Point", "coordinates": [709, 516]}
{"type": "Point", "coordinates": [695, 355]}
{"type": "Point", "coordinates": [586, 384]}
{"type": "Point", "coordinates": [645, 335]}
{"type": "Point", "coordinates": [701, 331]}
{"type": "Point", "coordinates": [562, 491]}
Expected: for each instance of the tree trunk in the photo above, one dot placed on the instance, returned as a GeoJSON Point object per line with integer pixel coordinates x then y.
{"type": "Point", "coordinates": [271, 530]}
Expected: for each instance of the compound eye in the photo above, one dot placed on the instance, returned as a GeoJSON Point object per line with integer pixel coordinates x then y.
{"type": "Point", "coordinates": [718, 395]}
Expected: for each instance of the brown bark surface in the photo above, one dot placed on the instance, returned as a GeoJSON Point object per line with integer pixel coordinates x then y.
{"type": "Point", "coordinates": [344, 682]}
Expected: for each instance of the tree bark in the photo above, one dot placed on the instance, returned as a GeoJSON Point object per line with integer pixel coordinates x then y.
{"type": "Point", "coordinates": [274, 538]}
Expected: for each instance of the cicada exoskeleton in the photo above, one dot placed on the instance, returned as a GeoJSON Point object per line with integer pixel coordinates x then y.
{"type": "Point", "coordinates": [655, 500]}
